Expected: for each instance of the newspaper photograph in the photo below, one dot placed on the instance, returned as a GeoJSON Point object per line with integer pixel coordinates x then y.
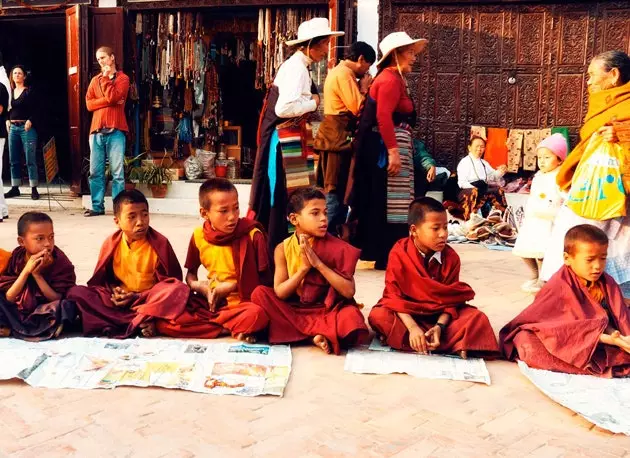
{"type": "Point", "coordinates": [381, 359]}
{"type": "Point", "coordinates": [212, 368]}
{"type": "Point", "coordinates": [604, 402]}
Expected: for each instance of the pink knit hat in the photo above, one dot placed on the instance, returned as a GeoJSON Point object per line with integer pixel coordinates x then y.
{"type": "Point", "coordinates": [557, 144]}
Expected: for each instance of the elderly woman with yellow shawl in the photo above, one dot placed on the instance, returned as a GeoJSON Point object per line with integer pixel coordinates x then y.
{"type": "Point", "coordinates": [607, 120]}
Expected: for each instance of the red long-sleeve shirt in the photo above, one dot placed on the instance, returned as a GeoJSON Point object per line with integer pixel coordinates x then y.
{"type": "Point", "coordinates": [106, 99]}
{"type": "Point", "coordinates": [388, 90]}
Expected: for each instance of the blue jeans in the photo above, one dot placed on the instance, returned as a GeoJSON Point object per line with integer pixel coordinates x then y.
{"type": "Point", "coordinates": [23, 142]}
{"type": "Point", "coordinates": [103, 146]}
{"type": "Point", "coordinates": [337, 212]}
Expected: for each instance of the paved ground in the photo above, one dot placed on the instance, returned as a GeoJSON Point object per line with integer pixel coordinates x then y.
{"type": "Point", "coordinates": [325, 411]}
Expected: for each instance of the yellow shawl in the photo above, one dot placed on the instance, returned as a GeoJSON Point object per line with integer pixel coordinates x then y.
{"type": "Point", "coordinates": [604, 108]}
{"type": "Point", "coordinates": [5, 257]}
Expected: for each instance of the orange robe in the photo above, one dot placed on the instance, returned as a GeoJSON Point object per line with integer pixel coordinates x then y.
{"type": "Point", "coordinates": [425, 289]}
{"type": "Point", "coordinates": [317, 308]}
{"type": "Point", "coordinates": [241, 258]}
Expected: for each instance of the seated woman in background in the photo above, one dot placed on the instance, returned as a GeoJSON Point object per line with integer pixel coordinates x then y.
{"type": "Point", "coordinates": [427, 176]}
{"type": "Point", "coordinates": [480, 185]}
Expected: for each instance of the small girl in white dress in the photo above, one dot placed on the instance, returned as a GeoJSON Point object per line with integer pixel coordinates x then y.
{"type": "Point", "coordinates": [545, 200]}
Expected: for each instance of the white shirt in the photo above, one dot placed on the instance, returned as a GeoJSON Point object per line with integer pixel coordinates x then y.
{"type": "Point", "coordinates": [4, 79]}
{"type": "Point", "coordinates": [472, 169]}
{"type": "Point", "coordinates": [437, 256]}
{"type": "Point", "coordinates": [294, 86]}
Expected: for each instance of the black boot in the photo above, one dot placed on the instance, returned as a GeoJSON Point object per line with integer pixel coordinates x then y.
{"type": "Point", "coordinates": [34, 194]}
{"type": "Point", "coordinates": [13, 192]}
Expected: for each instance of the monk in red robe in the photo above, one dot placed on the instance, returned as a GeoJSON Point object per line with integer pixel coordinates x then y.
{"type": "Point", "coordinates": [234, 252]}
{"type": "Point", "coordinates": [34, 282]}
{"type": "Point", "coordinates": [137, 277]}
{"type": "Point", "coordinates": [313, 291]}
{"type": "Point", "coordinates": [424, 308]}
{"type": "Point", "coordinates": [578, 323]}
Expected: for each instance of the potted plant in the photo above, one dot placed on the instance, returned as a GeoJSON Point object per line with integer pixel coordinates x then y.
{"type": "Point", "coordinates": [157, 177]}
{"type": "Point", "coordinates": [133, 172]}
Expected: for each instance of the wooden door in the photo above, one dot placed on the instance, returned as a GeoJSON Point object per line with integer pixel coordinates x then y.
{"type": "Point", "coordinates": [106, 29]}
{"type": "Point", "coordinates": [76, 41]}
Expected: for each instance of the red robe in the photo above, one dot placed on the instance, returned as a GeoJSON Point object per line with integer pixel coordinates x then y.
{"type": "Point", "coordinates": [320, 310]}
{"type": "Point", "coordinates": [166, 299]}
{"type": "Point", "coordinates": [32, 316]}
{"type": "Point", "coordinates": [251, 260]}
{"type": "Point", "coordinates": [425, 293]}
{"type": "Point", "coordinates": [560, 331]}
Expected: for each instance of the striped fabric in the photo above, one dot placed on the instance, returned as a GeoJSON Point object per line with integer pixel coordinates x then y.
{"type": "Point", "coordinates": [299, 164]}
{"type": "Point", "coordinates": [400, 188]}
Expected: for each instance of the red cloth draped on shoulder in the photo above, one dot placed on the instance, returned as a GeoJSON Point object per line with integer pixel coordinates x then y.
{"type": "Point", "coordinates": [425, 293]}
{"type": "Point", "coordinates": [560, 330]}
{"type": "Point", "coordinates": [32, 316]}
{"type": "Point", "coordinates": [320, 309]}
{"type": "Point", "coordinates": [166, 299]}
{"type": "Point", "coordinates": [251, 260]}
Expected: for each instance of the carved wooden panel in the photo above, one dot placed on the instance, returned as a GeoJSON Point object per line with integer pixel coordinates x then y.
{"type": "Point", "coordinates": [573, 39]}
{"type": "Point", "coordinates": [569, 91]}
{"type": "Point", "coordinates": [450, 30]}
{"type": "Point", "coordinates": [617, 30]}
{"type": "Point", "coordinates": [527, 100]}
{"type": "Point", "coordinates": [489, 38]}
{"type": "Point", "coordinates": [447, 145]}
{"type": "Point", "coordinates": [487, 99]}
{"type": "Point", "coordinates": [447, 97]}
{"type": "Point", "coordinates": [531, 36]}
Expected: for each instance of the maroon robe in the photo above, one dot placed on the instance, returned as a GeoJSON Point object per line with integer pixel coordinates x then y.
{"type": "Point", "coordinates": [425, 292]}
{"type": "Point", "coordinates": [320, 309]}
{"type": "Point", "coordinates": [560, 331]}
{"type": "Point", "coordinates": [32, 316]}
{"type": "Point", "coordinates": [251, 260]}
{"type": "Point", "coordinates": [166, 299]}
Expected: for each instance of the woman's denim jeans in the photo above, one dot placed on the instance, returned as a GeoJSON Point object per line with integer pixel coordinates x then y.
{"type": "Point", "coordinates": [23, 142]}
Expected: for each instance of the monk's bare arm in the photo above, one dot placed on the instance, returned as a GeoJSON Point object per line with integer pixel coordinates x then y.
{"type": "Point", "coordinates": [283, 285]}
{"type": "Point", "coordinates": [408, 321]}
{"type": "Point", "coordinates": [444, 319]}
{"type": "Point", "coordinates": [342, 285]}
{"type": "Point", "coordinates": [16, 289]}
{"type": "Point", "coordinates": [192, 280]}
{"type": "Point", "coordinates": [46, 289]}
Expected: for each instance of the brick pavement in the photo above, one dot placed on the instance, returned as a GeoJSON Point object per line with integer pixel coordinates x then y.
{"type": "Point", "coordinates": [325, 411]}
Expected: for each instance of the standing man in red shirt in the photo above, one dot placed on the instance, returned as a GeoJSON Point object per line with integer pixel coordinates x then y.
{"type": "Point", "coordinates": [105, 98]}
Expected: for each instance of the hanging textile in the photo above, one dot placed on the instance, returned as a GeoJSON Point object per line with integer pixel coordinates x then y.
{"type": "Point", "coordinates": [515, 150]}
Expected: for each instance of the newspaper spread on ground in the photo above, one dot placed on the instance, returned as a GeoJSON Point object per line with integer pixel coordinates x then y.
{"type": "Point", "coordinates": [380, 359]}
{"type": "Point", "coordinates": [84, 363]}
{"type": "Point", "coordinates": [604, 402]}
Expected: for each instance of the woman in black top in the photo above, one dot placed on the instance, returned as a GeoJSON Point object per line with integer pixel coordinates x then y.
{"type": "Point", "coordinates": [4, 108]}
{"type": "Point", "coordinates": [22, 134]}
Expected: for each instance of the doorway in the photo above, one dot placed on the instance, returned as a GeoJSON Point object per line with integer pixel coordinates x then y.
{"type": "Point", "coordinates": [39, 43]}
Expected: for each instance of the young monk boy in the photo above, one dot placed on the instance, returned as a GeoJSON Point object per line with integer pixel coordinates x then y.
{"type": "Point", "coordinates": [313, 291]}
{"type": "Point", "coordinates": [137, 277]}
{"type": "Point", "coordinates": [578, 323]}
{"type": "Point", "coordinates": [424, 308]}
{"type": "Point", "coordinates": [34, 282]}
{"type": "Point", "coordinates": [234, 252]}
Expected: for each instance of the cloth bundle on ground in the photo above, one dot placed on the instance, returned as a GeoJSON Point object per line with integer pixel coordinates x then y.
{"type": "Point", "coordinates": [166, 298]}
{"type": "Point", "coordinates": [32, 316]}
{"type": "Point", "coordinates": [318, 309]}
{"type": "Point", "coordinates": [425, 292]}
{"type": "Point", "coordinates": [240, 257]}
{"type": "Point", "coordinates": [560, 331]}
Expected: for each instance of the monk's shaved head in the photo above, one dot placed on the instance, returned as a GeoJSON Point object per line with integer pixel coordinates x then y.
{"type": "Point", "coordinates": [132, 196]}
{"type": "Point", "coordinates": [300, 197]}
{"type": "Point", "coordinates": [585, 233]}
{"type": "Point", "coordinates": [29, 218]}
{"type": "Point", "coordinates": [420, 207]}
{"type": "Point", "coordinates": [214, 185]}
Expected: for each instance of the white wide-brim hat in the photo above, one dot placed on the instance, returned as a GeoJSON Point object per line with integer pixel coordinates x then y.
{"type": "Point", "coordinates": [398, 40]}
{"type": "Point", "coordinates": [316, 27]}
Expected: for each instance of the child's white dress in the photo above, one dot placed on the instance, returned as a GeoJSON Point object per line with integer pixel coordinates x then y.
{"type": "Point", "coordinates": [545, 200]}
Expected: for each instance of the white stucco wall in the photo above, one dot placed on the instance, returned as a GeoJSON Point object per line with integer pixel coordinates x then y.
{"type": "Point", "coordinates": [367, 23]}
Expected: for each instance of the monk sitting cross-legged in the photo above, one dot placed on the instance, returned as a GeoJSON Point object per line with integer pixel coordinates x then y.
{"type": "Point", "coordinates": [234, 252]}
{"type": "Point", "coordinates": [424, 308]}
{"type": "Point", "coordinates": [137, 277]}
{"type": "Point", "coordinates": [578, 323]}
{"type": "Point", "coordinates": [313, 291]}
{"type": "Point", "coordinates": [34, 281]}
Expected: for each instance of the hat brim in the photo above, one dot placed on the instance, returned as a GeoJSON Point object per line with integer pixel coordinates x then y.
{"type": "Point", "coordinates": [419, 45]}
{"type": "Point", "coordinates": [305, 40]}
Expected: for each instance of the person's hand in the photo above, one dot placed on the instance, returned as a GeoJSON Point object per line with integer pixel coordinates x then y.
{"type": "Point", "coordinates": [121, 297]}
{"type": "Point", "coordinates": [608, 134]}
{"type": "Point", "coordinates": [107, 71]}
{"type": "Point", "coordinates": [217, 295]}
{"type": "Point", "coordinates": [622, 342]}
{"type": "Point", "coordinates": [431, 174]}
{"type": "Point", "coordinates": [8, 125]}
{"type": "Point", "coordinates": [47, 260]}
{"type": "Point", "coordinates": [307, 250]}
{"type": "Point", "coordinates": [317, 99]}
{"type": "Point", "coordinates": [364, 83]}
{"type": "Point", "coordinates": [393, 159]}
{"type": "Point", "coordinates": [418, 341]}
{"type": "Point", "coordinates": [121, 102]}
{"type": "Point", "coordinates": [433, 337]}
{"type": "Point", "coordinates": [28, 125]}
{"type": "Point", "coordinates": [502, 169]}
{"type": "Point", "coordinates": [34, 262]}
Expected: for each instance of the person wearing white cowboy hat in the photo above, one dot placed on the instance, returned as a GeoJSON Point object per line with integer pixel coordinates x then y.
{"type": "Point", "coordinates": [292, 95]}
{"type": "Point", "coordinates": [383, 176]}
